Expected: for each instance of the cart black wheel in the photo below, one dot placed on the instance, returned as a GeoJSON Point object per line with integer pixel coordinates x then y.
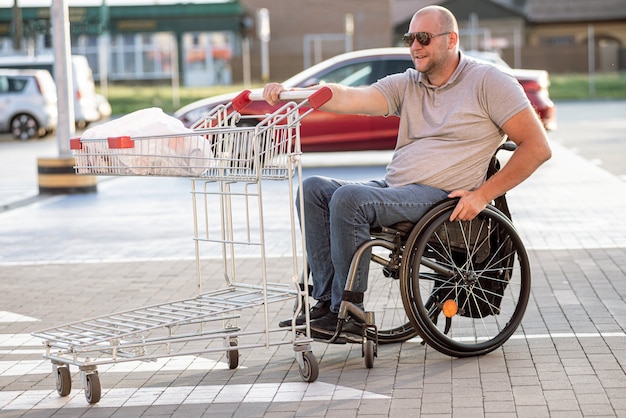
{"type": "Point", "coordinates": [93, 390]}
{"type": "Point", "coordinates": [310, 369]}
{"type": "Point", "coordinates": [232, 356]}
{"type": "Point", "coordinates": [64, 380]}
{"type": "Point", "coordinates": [369, 352]}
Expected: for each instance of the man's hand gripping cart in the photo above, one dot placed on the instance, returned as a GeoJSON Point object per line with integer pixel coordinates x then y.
{"type": "Point", "coordinates": [227, 158]}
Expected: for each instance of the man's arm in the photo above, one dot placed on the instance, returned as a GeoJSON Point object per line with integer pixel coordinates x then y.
{"type": "Point", "coordinates": [532, 150]}
{"type": "Point", "coordinates": [350, 100]}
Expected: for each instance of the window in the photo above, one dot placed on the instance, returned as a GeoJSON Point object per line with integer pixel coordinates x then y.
{"type": "Point", "coordinates": [357, 74]}
{"type": "Point", "coordinates": [16, 84]}
{"type": "Point", "coordinates": [397, 66]}
{"type": "Point", "coordinates": [4, 85]}
{"type": "Point", "coordinates": [12, 84]}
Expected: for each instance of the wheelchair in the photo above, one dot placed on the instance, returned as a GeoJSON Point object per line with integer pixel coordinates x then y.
{"type": "Point", "coordinates": [461, 286]}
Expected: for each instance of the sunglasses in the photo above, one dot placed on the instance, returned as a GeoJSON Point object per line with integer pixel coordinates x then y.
{"type": "Point", "coordinates": [422, 37]}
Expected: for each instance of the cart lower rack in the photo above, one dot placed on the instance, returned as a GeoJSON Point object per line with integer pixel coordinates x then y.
{"type": "Point", "coordinates": [165, 330]}
{"type": "Point", "coordinates": [227, 165]}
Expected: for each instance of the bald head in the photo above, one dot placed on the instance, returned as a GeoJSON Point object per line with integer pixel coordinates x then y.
{"type": "Point", "coordinates": [437, 56]}
{"type": "Point", "coordinates": [444, 17]}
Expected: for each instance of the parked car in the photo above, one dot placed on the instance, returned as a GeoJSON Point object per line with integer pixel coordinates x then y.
{"type": "Point", "coordinates": [28, 103]}
{"type": "Point", "coordinates": [324, 131]}
{"type": "Point", "coordinates": [104, 107]}
{"type": "Point", "coordinates": [86, 102]}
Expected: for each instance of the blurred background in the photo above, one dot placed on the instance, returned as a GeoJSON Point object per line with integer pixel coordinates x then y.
{"type": "Point", "coordinates": [207, 43]}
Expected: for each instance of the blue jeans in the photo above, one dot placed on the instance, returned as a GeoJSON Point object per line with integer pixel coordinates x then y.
{"type": "Point", "coordinates": [338, 217]}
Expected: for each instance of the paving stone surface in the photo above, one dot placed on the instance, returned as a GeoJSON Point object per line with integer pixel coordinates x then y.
{"type": "Point", "coordinates": [69, 258]}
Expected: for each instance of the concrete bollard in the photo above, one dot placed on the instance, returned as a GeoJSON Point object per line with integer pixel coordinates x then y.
{"type": "Point", "coordinates": [57, 176]}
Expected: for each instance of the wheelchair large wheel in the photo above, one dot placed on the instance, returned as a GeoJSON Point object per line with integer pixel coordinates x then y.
{"type": "Point", "coordinates": [384, 299]}
{"type": "Point", "coordinates": [465, 285]}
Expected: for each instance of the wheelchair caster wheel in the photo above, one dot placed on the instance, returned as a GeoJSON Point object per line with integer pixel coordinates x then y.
{"type": "Point", "coordinates": [369, 352]}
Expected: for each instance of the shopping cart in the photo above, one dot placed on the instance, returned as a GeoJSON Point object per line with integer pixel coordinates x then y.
{"type": "Point", "coordinates": [227, 162]}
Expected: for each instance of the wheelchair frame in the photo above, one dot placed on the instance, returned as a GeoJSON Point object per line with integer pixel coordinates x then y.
{"type": "Point", "coordinates": [463, 299]}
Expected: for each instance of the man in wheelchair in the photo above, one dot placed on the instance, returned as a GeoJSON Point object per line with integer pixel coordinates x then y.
{"type": "Point", "coordinates": [454, 113]}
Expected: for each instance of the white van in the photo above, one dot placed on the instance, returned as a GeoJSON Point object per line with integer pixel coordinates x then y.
{"type": "Point", "coordinates": [85, 98]}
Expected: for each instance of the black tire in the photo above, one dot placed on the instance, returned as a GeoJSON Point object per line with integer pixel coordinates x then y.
{"type": "Point", "coordinates": [489, 289]}
{"type": "Point", "coordinates": [369, 353]}
{"type": "Point", "coordinates": [24, 126]}
{"type": "Point", "coordinates": [63, 380]}
{"type": "Point", "coordinates": [232, 356]}
{"type": "Point", "coordinates": [384, 299]}
{"type": "Point", "coordinates": [310, 370]}
{"type": "Point", "coordinates": [93, 390]}
{"type": "Point", "coordinates": [46, 132]}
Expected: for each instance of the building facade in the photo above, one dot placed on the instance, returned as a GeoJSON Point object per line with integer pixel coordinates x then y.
{"type": "Point", "coordinates": [193, 41]}
{"type": "Point", "coordinates": [206, 43]}
{"type": "Point", "coordinates": [554, 35]}
{"type": "Point", "coordinates": [217, 41]}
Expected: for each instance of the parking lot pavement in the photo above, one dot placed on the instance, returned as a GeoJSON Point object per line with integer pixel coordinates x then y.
{"type": "Point", "coordinates": [74, 257]}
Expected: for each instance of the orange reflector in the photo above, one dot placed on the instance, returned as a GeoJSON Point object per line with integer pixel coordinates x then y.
{"type": "Point", "coordinates": [449, 308]}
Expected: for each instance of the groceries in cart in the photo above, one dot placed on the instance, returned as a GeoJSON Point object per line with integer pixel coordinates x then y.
{"type": "Point", "coordinates": [145, 142]}
{"type": "Point", "coordinates": [151, 143]}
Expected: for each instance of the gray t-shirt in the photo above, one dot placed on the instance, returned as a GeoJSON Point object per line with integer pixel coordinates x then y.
{"type": "Point", "coordinates": [448, 134]}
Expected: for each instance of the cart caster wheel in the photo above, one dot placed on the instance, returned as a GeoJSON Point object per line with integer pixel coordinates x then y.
{"type": "Point", "coordinates": [93, 390]}
{"type": "Point", "coordinates": [309, 369]}
{"type": "Point", "coordinates": [232, 356]}
{"type": "Point", "coordinates": [64, 380]}
{"type": "Point", "coordinates": [369, 352]}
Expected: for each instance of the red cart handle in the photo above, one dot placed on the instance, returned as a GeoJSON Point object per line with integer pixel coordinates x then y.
{"type": "Point", "coordinates": [316, 98]}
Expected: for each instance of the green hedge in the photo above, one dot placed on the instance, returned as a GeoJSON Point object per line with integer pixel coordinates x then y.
{"type": "Point", "coordinates": [581, 87]}
{"type": "Point", "coordinates": [125, 99]}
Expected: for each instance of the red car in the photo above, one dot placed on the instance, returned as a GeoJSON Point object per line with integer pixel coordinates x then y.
{"type": "Point", "coordinates": [324, 131]}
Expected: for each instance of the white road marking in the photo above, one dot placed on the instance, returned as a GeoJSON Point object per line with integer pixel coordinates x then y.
{"type": "Point", "coordinates": [19, 340]}
{"type": "Point", "coordinates": [555, 335]}
{"type": "Point", "coordinates": [13, 317]}
{"type": "Point", "coordinates": [569, 335]}
{"type": "Point", "coordinates": [25, 367]}
{"type": "Point", "coordinates": [186, 395]}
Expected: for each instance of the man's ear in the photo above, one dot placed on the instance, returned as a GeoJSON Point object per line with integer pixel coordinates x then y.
{"type": "Point", "coordinates": [453, 40]}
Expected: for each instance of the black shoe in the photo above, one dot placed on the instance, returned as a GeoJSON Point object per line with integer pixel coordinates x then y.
{"type": "Point", "coordinates": [319, 310]}
{"type": "Point", "coordinates": [326, 327]}
{"type": "Point", "coordinates": [352, 327]}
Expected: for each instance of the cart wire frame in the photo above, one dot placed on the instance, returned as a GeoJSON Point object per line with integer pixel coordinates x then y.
{"type": "Point", "coordinates": [225, 162]}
